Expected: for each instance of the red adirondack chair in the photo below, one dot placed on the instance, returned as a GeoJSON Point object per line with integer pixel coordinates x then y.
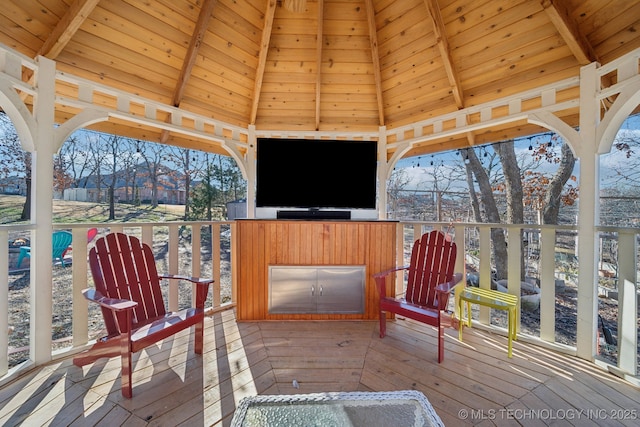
{"type": "Point", "coordinates": [127, 287]}
{"type": "Point", "coordinates": [430, 280]}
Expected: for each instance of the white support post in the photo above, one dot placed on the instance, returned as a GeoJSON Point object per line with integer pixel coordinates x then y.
{"type": "Point", "coordinates": [250, 159]}
{"type": "Point", "coordinates": [588, 214]}
{"type": "Point", "coordinates": [41, 285]}
{"type": "Point", "coordinates": [383, 167]}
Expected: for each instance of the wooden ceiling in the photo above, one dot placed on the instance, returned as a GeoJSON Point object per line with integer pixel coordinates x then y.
{"type": "Point", "coordinates": [338, 65]}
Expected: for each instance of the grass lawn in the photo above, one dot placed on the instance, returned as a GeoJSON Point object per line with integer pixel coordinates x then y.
{"type": "Point", "coordinates": [65, 211]}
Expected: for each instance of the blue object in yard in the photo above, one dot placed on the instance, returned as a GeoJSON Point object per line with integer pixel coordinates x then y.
{"type": "Point", "coordinates": [61, 241]}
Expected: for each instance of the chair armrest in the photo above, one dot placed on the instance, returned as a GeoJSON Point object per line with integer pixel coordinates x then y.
{"type": "Point", "coordinates": [202, 286]}
{"type": "Point", "coordinates": [109, 303]}
{"type": "Point", "coordinates": [444, 289]}
{"type": "Point", "coordinates": [381, 279]}
{"type": "Point", "coordinates": [391, 270]}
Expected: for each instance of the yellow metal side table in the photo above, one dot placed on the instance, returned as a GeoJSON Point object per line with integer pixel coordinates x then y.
{"type": "Point", "coordinates": [494, 299]}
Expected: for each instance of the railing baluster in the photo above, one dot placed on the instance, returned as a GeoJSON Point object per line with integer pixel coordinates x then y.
{"type": "Point", "coordinates": [485, 269]}
{"type": "Point", "coordinates": [547, 284]}
{"type": "Point", "coordinates": [215, 264]}
{"type": "Point", "coordinates": [80, 312]}
{"type": "Point", "coordinates": [514, 267]}
{"type": "Point", "coordinates": [627, 302]}
{"type": "Point", "coordinates": [196, 260]}
{"type": "Point", "coordinates": [174, 248]}
{"type": "Point", "coordinates": [4, 301]}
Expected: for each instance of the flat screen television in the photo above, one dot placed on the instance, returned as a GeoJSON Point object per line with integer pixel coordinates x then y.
{"type": "Point", "coordinates": [316, 175]}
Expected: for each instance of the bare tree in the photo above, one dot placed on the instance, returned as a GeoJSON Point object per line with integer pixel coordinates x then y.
{"type": "Point", "coordinates": [531, 188]}
{"type": "Point", "coordinates": [153, 154]}
{"type": "Point", "coordinates": [229, 180]}
{"type": "Point", "coordinates": [61, 178]}
{"type": "Point", "coordinates": [553, 197]}
{"type": "Point", "coordinates": [77, 159]}
{"type": "Point", "coordinates": [512, 181]}
{"type": "Point", "coordinates": [127, 167]}
{"type": "Point", "coordinates": [490, 210]}
{"type": "Point", "coordinates": [111, 142]}
{"type": "Point", "coordinates": [439, 179]}
{"type": "Point", "coordinates": [95, 154]}
{"type": "Point", "coordinates": [16, 162]}
{"type": "Point", "coordinates": [190, 165]}
{"type": "Point", "coordinates": [514, 190]}
{"type": "Point", "coordinates": [396, 184]}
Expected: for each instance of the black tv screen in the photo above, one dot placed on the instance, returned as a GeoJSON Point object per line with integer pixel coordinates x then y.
{"type": "Point", "coordinates": [316, 174]}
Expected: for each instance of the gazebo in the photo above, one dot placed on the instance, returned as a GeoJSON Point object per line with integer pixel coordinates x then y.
{"type": "Point", "coordinates": [417, 76]}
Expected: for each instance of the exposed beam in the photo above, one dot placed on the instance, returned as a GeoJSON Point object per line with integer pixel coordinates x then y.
{"type": "Point", "coordinates": [560, 16]}
{"type": "Point", "coordinates": [319, 60]}
{"type": "Point", "coordinates": [190, 58]}
{"type": "Point", "coordinates": [443, 47]}
{"type": "Point", "coordinates": [67, 27]}
{"type": "Point", "coordinates": [373, 38]}
{"type": "Point", "coordinates": [62, 33]}
{"type": "Point", "coordinates": [262, 58]}
{"type": "Point", "coordinates": [192, 52]}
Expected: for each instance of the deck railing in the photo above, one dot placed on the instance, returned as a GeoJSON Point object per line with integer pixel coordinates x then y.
{"type": "Point", "coordinates": [543, 254]}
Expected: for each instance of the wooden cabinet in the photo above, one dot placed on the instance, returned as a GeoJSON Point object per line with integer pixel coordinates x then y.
{"type": "Point", "coordinates": [260, 244]}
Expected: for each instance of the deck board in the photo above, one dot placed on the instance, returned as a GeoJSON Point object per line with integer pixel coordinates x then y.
{"type": "Point", "coordinates": [172, 386]}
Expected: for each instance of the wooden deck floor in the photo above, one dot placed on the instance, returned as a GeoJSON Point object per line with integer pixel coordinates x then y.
{"type": "Point", "coordinates": [476, 384]}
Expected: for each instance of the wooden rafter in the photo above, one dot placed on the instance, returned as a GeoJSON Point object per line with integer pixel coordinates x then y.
{"type": "Point", "coordinates": [62, 33]}
{"type": "Point", "coordinates": [561, 18]}
{"type": "Point", "coordinates": [373, 37]}
{"type": "Point", "coordinates": [445, 53]}
{"type": "Point", "coordinates": [443, 47]}
{"type": "Point", "coordinates": [190, 58]}
{"type": "Point", "coordinates": [192, 52]}
{"type": "Point", "coordinates": [67, 27]}
{"type": "Point", "coordinates": [319, 60]}
{"type": "Point", "coordinates": [262, 58]}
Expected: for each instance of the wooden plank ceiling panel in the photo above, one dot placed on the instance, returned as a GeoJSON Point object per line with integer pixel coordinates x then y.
{"type": "Point", "coordinates": [504, 50]}
{"type": "Point", "coordinates": [118, 66]}
{"type": "Point", "coordinates": [619, 32]}
{"type": "Point", "coordinates": [537, 61]}
{"type": "Point", "coordinates": [163, 59]}
{"type": "Point", "coordinates": [349, 66]}
{"type": "Point", "coordinates": [18, 38]}
{"type": "Point", "coordinates": [30, 20]}
{"type": "Point", "coordinates": [178, 15]}
{"type": "Point", "coordinates": [292, 70]}
{"type": "Point", "coordinates": [479, 95]}
{"type": "Point", "coordinates": [190, 10]}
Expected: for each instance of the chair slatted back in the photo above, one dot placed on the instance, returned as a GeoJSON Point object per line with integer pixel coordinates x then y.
{"type": "Point", "coordinates": [433, 259]}
{"type": "Point", "coordinates": [124, 268]}
{"type": "Point", "coordinates": [61, 241]}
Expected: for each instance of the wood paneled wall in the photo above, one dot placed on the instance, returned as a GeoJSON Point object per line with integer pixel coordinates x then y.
{"type": "Point", "coordinates": [261, 243]}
